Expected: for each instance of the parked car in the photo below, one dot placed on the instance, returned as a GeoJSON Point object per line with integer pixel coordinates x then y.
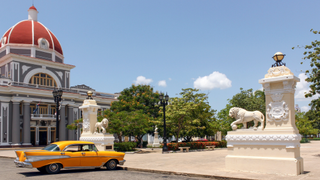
{"type": "Point", "coordinates": [68, 154]}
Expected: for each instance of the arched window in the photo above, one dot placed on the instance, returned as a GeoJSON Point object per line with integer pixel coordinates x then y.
{"type": "Point", "coordinates": [43, 79]}
{"type": "Point", "coordinates": [43, 43]}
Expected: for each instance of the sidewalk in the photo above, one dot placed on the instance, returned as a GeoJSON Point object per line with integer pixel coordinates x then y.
{"type": "Point", "coordinates": [209, 163]}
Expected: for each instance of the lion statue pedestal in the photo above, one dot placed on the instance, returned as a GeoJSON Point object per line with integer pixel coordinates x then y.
{"type": "Point", "coordinates": [94, 131]}
{"type": "Point", "coordinates": [275, 148]}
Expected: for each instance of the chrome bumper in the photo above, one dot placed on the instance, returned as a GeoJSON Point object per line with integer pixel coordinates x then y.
{"type": "Point", "coordinates": [22, 164]}
{"type": "Point", "coordinates": [122, 162]}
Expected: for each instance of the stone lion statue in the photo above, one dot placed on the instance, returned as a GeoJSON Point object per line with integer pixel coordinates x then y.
{"type": "Point", "coordinates": [243, 116]}
{"type": "Point", "coordinates": [103, 125]}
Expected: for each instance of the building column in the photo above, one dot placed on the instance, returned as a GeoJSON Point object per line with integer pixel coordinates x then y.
{"type": "Point", "coordinates": [37, 135]}
{"type": "Point", "coordinates": [15, 130]}
{"type": "Point", "coordinates": [4, 123]}
{"type": "Point", "coordinates": [70, 121]}
{"type": "Point", "coordinates": [49, 108]}
{"type": "Point", "coordinates": [62, 124]}
{"type": "Point", "coordinates": [26, 124]}
{"type": "Point", "coordinates": [49, 135]}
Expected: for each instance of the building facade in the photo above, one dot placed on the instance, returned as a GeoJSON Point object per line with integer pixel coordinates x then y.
{"type": "Point", "coordinates": [31, 66]}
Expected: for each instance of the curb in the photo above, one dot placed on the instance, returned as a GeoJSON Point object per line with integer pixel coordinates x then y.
{"type": "Point", "coordinates": [182, 174]}
{"type": "Point", "coordinates": [7, 157]}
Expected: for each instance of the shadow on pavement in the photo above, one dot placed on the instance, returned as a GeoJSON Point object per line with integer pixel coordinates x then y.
{"type": "Point", "coordinates": [67, 171]}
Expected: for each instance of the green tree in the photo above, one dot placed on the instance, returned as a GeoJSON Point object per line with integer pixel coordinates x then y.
{"type": "Point", "coordinates": [189, 115]}
{"type": "Point", "coordinates": [177, 116]}
{"type": "Point", "coordinates": [118, 123]}
{"type": "Point", "coordinates": [203, 116]}
{"type": "Point", "coordinates": [134, 112]}
{"type": "Point", "coordinates": [224, 120]}
{"type": "Point", "coordinates": [249, 100]}
{"type": "Point", "coordinates": [137, 97]}
{"type": "Point", "coordinates": [312, 55]}
{"type": "Point", "coordinates": [74, 125]}
{"type": "Point", "coordinates": [313, 115]}
{"type": "Point", "coordinates": [246, 99]}
{"type": "Point", "coordinates": [304, 125]}
{"type": "Point", "coordinates": [139, 124]}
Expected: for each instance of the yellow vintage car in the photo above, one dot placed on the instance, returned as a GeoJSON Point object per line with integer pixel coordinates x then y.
{"type": "Point", "coordinates": [68, 154]}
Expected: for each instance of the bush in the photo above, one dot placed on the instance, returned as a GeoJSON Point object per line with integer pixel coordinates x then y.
{"type": "Point", "coordinates": [315, 139]}
{"type": "Point", "coordinates": [222, 144]}
{"type": "Point", "coordinates": [193, 145]}
{"type": "Point", "coordinates": [304, 140]}
{"type": "Point", "coordinates": [125, 146]}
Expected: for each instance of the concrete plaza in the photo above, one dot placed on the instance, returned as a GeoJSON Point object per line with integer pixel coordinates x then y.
{"type": "Point", "coordinates": [207, 163]}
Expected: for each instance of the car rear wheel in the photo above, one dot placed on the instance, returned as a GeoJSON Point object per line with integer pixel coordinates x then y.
{"type": "Point", "coordinates": [53, 168]}
{"type": "Point", "coordinates": [112, 164]}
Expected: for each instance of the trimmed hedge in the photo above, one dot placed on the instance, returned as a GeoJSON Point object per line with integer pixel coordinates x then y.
{"type": "Point", "coordinates": [196, 145]}
{"type": "Point", "coordinates": [315, 139]}
{"type": "Point", "coordinates": [304, 140]}
{"type": "Point", "coordinates": [125, 146]}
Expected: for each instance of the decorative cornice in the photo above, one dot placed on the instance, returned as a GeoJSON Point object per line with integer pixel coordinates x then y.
{"type": "Point", "coordinates": [26, 59]}
{"type": "Point", "coordinates": [278, 71]}
{"type": "Point", "coordinates": [97, 139]}
{"type": "Point", "coordinates": [289, 140]}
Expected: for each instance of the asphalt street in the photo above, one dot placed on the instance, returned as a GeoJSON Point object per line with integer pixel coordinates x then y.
{"type": "Point", "coordinates": [8, 171]}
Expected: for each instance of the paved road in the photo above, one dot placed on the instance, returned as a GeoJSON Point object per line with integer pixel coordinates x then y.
{"type": "Point", "coordinates": [8, 171]}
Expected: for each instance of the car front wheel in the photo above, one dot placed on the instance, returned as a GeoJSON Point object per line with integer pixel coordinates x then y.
{"type": "Point", "coordinates": [53, 168]}
{"type": "Point", "coordinates": [112, 164]}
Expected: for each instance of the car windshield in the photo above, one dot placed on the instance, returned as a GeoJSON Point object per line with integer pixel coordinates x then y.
{"type": "Point", "coordinates": [52, 147]}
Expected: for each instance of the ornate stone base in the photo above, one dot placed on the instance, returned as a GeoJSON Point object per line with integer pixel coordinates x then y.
{"type": "Point", "coordinates": [156, 140]}
{"type": "Point", "coordinates": [264, 151]}
{"type": "Point", "coordinates": [104, 142]}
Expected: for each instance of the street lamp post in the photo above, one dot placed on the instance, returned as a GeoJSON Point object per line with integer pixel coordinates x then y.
{"type": "Point", "coordinates": [164, 102]}
{"type": "Point", "coordinates": [57, 94]}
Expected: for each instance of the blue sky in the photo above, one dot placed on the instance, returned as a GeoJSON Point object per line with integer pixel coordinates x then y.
{"type": "Point", "coordinates": [218, 46]}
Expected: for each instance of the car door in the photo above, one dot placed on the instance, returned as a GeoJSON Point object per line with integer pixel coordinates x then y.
{"type": "Point", "coordinates": [89, 156]}
{"type": "Point", "coordinates": [74, 153]}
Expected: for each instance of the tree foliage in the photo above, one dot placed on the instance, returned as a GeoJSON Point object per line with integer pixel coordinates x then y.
{"type": "Point", "coordinates": [304, 124]}
{"type": "Point", "coordinates": [187, 116]}
{"type": "Point", "coordinates": [117, 123]}
{"type": "Point", "coordinates": [204, 121]}
{"type": "Point", "coordinates": [246, 99]}
{"type": "Point", "coordinates": [137, 97]}
{"type": "Point", "coordinates": [312, 55]}
{"type": "Point", "coordinates": [134, 112]}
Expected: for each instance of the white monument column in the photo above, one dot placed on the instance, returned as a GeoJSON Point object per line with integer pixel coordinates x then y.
{"type": "Point", "coordinates": [156, 138]}
{"type": "Point", "coordinates": [276, 149]}
{"type": "Point", "coordinates": [103, 141]}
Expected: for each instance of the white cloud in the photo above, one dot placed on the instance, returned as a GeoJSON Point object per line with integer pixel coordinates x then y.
{"type": "Point", "coordinates": [170, 79]}
{"type": "Point", "coordinates": [305, 108]}
{"type": "Point", "coordinates": [214, 80]}
{"type": "Point", "coordinates": [303, 87]}
{"type": "Point", "coordinates": [162, 83]}
{"type": "Point", "coordinates": [142, 80]}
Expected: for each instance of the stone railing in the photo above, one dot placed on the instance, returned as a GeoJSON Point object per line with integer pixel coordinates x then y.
{"type": "Point", "coordinates": [43, 117]}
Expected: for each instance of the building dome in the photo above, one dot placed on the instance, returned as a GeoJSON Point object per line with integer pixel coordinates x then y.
{"type": "Point", "coordinates": [31, 32]}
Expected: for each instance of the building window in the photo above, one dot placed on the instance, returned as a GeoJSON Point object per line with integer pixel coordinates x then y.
{"type": "Point", "coordinates": [43, 79]}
